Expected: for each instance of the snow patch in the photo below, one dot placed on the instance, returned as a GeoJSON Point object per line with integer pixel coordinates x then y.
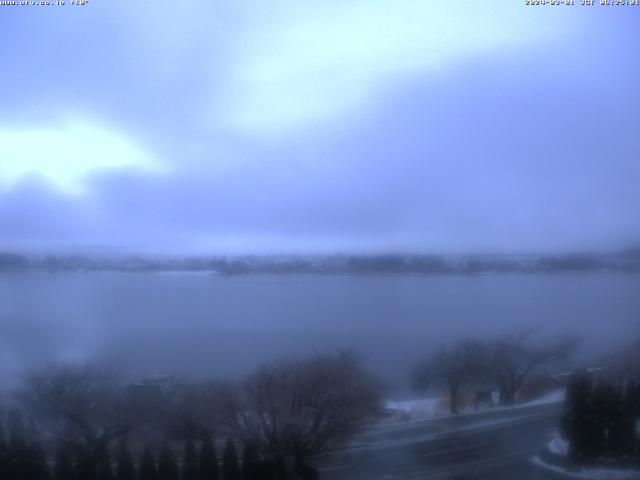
{"type": "Point", "coordinates": [432, 407]}
{"type": "Point", "coordinates": [590, 473]}
{"type": "Point", "coordinates": [558, 445]}
{"type": "Point", "coordinates": [556, 396]}
{"type": "Point", "coordinates": [425, 406]}
{"type": "Point", "coordinates": [184, 273]}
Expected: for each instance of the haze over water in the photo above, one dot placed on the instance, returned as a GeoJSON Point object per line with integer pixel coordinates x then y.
{"type": "Point", "coordinates": [239, 128]}
{"type": "Point", "coordinates": [219, 326]}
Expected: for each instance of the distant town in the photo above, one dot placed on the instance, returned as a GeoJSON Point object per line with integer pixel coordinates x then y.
{"type": "Point", "coordinates": [627, 261]}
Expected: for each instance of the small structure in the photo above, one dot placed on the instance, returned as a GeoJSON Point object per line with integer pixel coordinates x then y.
{"type": "Point", "coordinates": [485, 397]}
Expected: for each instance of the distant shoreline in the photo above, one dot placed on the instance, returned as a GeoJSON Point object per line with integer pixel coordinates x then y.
{"type": "Point", "coordinates": [626, 262]}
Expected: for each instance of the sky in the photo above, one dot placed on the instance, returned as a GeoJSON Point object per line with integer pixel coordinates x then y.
{"type": "Point", "coordinates": [319, 127]}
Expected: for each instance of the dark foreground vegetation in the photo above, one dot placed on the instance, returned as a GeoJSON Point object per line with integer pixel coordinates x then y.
{"type": "Point", "coordinates": [85, 423]}
{"type": "Point", "coordinates": [601, 420]}
{"type": "Point", "coordinates": [82, 422]}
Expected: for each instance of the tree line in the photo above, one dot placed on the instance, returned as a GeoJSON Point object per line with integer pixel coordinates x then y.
{"type": "Point", "coordinates": [504, 363]}
{"type": "Point", "coordinates": [23, 457]}
{"type": "Point", "coordinates": [82, 422]}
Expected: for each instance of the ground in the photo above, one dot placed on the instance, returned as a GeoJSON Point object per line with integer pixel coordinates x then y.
{"type": "Point", "coordinates": [558, 448]}
{"type": "Point", "coordinates": [492, 444]}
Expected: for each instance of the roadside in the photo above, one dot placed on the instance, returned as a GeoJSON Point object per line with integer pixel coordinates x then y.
{"type": "Point", "coordinates": [427, 408]}
{"type": "Point", "coordinates": [498, 443]}
{"type": "Point", "coordinates": [553, 458]}
{"type": "Point", "coordinates": [440, 423]}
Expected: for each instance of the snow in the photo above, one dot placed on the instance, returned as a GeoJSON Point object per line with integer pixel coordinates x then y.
{"type": "Point", "coordinates": [558, 445]}
{"type": "Point", "coordinates": [556, 396]}
{"type": "Point", "coordinates": [560, 448]}
{"type": "Point", "coordinates": [185, 273]}
{"type": "Point", "coordinates": [590, 473]}
{"type": "Point", "coordinates": [569, 374]}
{"type": "Point", "coordinates": [432, 407]}
{"type": "Point", "coordinates": [424, 406]}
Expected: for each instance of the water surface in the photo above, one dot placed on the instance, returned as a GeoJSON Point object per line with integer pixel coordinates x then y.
{"type": "Point", "coordinates": [224, 325]}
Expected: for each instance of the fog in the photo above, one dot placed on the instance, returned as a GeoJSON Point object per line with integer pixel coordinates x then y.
{"type": "Point", "coordinates": [357, 204]}
{"type": "Point", "coordinates": [203, 326]}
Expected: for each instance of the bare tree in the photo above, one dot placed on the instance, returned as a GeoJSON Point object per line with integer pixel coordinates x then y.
{"type": "Point", "coordinates": [299, 408]}
{"type": "Point", "coordinates": [454, 365]}
{"type": "Point", "coordinates": [191, 409]}
{"type": "Point", "coordinates": [81, 404]}
{"type": "Point", "coordinates": [514, 357]}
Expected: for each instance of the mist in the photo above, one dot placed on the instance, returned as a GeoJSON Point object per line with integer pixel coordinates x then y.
{"type": "Point", "coordinates": [349, 240]}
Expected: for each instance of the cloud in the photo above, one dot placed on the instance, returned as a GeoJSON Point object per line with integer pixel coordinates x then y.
{"type": "Point", "coordinates": [64, 155]}
{"type": "Point", "coordinates": [289, 126]}
{"type": "Point", "coordinates": [306, 65]}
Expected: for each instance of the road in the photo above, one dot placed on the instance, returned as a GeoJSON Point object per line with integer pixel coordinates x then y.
{"type": "Point", "coordinates": [494, 445]}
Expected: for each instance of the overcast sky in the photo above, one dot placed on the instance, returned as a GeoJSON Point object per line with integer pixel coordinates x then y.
{"type": "Point", "coordinates": [294, 126]}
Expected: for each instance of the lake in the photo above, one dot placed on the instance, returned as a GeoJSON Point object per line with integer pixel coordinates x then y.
{"type": "Point", "coordinates": [222, 326]}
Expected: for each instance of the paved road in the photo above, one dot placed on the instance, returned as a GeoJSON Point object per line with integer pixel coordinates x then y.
{"type": "Point", "coordinates": [495, 445]}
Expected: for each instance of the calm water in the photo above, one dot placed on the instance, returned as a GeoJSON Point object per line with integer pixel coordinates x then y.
{"type": "Point", "coordinates": [223, 326]}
